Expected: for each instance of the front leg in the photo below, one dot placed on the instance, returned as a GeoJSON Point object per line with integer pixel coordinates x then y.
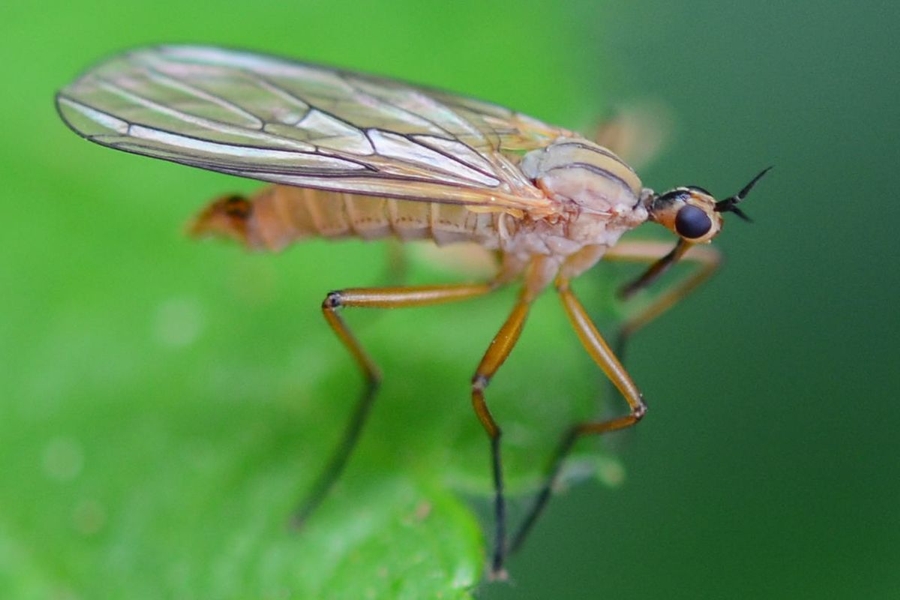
{"type": "Point", "coordinates": [703, 259]}
{"type": "Point", "coordinates": [496, 354]}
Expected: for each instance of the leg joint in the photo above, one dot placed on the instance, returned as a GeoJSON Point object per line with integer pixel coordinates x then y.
{"type": "Point", "coordinates": [332, 301]}
{"type": "Point", "coordinates": [639, 411]}
{"type": "Point", "coordinates": [480, 381]}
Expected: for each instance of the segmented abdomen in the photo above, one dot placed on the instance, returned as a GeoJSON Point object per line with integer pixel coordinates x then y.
{"type": "Point", "coordinates": [279, 215]}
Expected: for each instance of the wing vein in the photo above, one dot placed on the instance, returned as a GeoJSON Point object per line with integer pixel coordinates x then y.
{"type": "Point", "coordinates": [450, 155]}
{"type": "Point", "coordinates": [202, 122]}
{"type": "Point", "coordinates": [183, 86]}
{"type": "Point", "coordinates": [413, 118]}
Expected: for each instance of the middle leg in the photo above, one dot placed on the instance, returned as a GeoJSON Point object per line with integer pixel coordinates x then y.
{"type": "Point", "coordinates": [606, 359]}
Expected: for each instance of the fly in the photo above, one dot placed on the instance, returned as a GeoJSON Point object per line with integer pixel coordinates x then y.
{"type": "Point", "coordinates": [352, 155]}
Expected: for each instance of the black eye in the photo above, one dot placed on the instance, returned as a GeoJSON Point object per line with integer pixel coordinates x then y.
{"type": "Point", "coordinates": [692, 222]}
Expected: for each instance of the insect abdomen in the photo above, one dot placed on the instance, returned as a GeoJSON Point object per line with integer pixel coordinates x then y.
{"type": "Point", "coordinates": [279, 215]}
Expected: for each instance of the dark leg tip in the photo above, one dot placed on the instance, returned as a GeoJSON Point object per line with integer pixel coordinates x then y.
{"type": "Point", "coordinates": [498, 573]}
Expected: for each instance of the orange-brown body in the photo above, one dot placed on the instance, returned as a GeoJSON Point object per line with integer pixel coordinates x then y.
{"type": "Point", "coordinates": [280, 215]}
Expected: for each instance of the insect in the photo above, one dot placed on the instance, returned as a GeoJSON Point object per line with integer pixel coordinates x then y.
{"type": "Point", "coordinates": [357, 155]}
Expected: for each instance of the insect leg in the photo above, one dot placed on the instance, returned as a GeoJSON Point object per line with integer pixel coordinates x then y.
{"type": "Point", "coordinates": [598, 349]}
{"type": "Point", "coordinates": [385, 297]}
{"type": "Point", "coordinates": [705, 258]}
{"type": "Point", "coordinates": [655, 270]}
{"type": "Point", "coordinates": [496, 354]}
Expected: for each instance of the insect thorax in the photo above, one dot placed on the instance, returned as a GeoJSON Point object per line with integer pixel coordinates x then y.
{"type": "Point", "coordinates": [599, 198]}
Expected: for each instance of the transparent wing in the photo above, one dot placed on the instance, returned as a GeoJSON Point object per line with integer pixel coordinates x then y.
{"type": "Point", "coordinates": [292, 123]}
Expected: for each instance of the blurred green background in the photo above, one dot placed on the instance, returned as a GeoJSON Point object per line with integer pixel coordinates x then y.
{"type": "Point", "coordinates": [165, 402]}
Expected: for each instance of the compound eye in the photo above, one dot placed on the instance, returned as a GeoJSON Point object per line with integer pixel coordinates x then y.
{"type": "Point", "coordinates": [692, 222]}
